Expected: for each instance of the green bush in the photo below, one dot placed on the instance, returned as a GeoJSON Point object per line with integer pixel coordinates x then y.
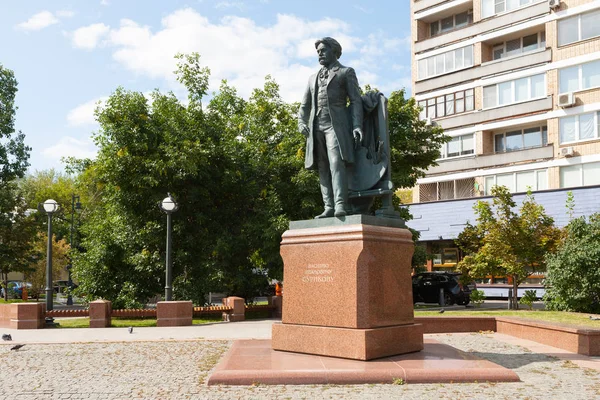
{"type": "Point", "coordinates": [573, 275]}
{"type": "Point", "coordinates": [528, 298]}
{"type": "Point", "coordinates": [477, 297]}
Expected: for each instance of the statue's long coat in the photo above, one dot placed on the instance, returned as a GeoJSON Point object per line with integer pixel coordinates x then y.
{"type": "Point", "coordinates": [342, 86]}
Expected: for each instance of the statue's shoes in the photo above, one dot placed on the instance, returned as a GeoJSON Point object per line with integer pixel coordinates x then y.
{"type": "Point", "coordinates": [326, 214]}
{"type": "Point", "coordinates": [340, 212]}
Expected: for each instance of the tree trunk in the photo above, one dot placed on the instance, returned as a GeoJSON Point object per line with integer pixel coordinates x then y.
{"type": "Point", "coordinates": [5, 286]}
{"type": "Point", "coordinates": [515, 294]}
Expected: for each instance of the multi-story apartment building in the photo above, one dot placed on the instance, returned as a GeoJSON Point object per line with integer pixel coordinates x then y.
{"type": "Point", "coordinates": [516, 84]}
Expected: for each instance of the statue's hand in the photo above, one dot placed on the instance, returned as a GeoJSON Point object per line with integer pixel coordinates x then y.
{"type": "Point", "coordinates": [358, 137]}
{"type": "Point", "coordinates": [304, 130]}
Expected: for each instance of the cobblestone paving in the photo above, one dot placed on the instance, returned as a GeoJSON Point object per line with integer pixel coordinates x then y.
{"type": "Point", "coordinates": [178, 369]}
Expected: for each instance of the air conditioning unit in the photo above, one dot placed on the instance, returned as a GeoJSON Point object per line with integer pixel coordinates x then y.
{"type": "Point", "coordinates": [566, 99]}
{"type": "Point", "coordinates": [553, 3]}
{"type": "Point", "coordinates": [428, 121]}
{"type": "Point", "coordinates": [566, 152]}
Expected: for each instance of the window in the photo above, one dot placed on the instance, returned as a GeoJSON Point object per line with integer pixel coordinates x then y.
{"type": "Point", "coordinates": [579, 127]}
{"type": "Point", "coordinates": [458, 146]}
{"type": "Point", "coordinates": [578, 27]}
{"type": "Point", "coordinates": [524, 89]}
{"type": "Point", "coordinates": [579, 77]}
{"type": "Point", "coordinates": [446, 62]}
{"type": "Point", "coordinates": [492, 7]}
{"type": "Point", "coordinates": [518, 181]}
{"type": "Point", "coordinates": [580, 175]}
{"type": "Point", "coordinates": [521, 139]}
{"type": "Point", "coordinates": [449, 104]}
{"type": "Point", "coordinates": [450, 23]}
{"type": "Point", "coordinates": [448, 190]}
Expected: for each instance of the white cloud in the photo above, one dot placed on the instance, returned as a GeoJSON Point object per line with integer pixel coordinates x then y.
{"type": "Point", "coordinates": [230, 4]}
{"type": "Point", "coordinates": [89, 36]}
{"type": "Point", "coordinates": [105, 2]}
{"type": "Point", "coordinates": [83, 114]}
{"type": "Point", "coordinates": [70, 147]}
{"type": "Point", "coordinates": [38, 21]}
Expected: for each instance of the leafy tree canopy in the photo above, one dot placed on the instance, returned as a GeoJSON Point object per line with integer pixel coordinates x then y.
{"type": "Point", "coordinates": [573, 277]}
{"type": "Point", "coordinates": [507, 243]}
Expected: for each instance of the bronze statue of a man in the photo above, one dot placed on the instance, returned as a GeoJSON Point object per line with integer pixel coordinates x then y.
{"type": "Point", "coordinates": [330, 117]}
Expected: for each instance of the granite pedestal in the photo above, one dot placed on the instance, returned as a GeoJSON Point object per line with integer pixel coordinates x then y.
{"type": "Point", "coordinates": [348, 289]}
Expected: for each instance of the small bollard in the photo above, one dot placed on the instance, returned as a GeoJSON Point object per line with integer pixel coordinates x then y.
{"type": "Point", "coordinates": [442, 302]}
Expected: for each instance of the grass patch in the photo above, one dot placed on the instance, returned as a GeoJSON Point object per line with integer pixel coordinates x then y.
{"type": "Point", "coordinates": [560, 317]}
{"type": "Point", "coordinates": [9, 301]}
{"type": "Point", "coordinates": [124, 322]}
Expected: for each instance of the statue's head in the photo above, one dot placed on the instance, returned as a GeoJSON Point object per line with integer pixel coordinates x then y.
{"type": "Point", "coordinates": [328, 50]}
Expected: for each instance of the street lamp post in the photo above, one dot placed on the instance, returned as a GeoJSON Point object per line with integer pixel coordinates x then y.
{"type": "Point", "coordinates": [75, 206]}
{"type": "Point", "coordinates": [50, 207]}
{"type": "Point", "coordinates": [169, 206]}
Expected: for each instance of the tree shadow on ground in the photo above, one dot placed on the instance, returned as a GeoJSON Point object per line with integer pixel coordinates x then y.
{"type": "Point", "coordinates": [514, 360]}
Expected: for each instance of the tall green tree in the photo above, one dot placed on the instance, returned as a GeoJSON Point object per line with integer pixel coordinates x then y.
{"type": "Point", "coordinates": [14, 156]}
{"type": "Point", "coordinates": [573, 277]}
{"type": "Point", "coordinates": [235, 166]}
{"type": "Point", "coordinates": [506, 242]}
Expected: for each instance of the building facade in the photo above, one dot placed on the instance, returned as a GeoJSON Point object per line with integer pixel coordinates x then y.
{"type": "Point", "coordinates": [516, 84]}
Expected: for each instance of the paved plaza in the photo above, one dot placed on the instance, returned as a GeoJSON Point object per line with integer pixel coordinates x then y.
{"type": "Point", "coordinates": [174, 363]}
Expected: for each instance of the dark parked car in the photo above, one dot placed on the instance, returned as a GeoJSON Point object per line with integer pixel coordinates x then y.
{"type": "Point", "coordinates": [427, 286]}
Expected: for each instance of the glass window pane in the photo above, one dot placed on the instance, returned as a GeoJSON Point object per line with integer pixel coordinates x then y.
{"type": "Point", "coordinates": [506, 180]}
{"type": "Point", "coordinates": [461, 19]}
{"type": "Point", "coordinates": [459, 60]}
{"type": "Point", "coordinates": [543, 40]}
{"type": "Point", "coordinates": [568, 79]}
{"type": "Point", "coordinates": [449, 104]}
{"type": "Point", "coordinates": [514, 141]}
{"type": "Point", "coordinates": [431, 111]}
{"type": "Point", "coordinates": [447, 23]}
{"type": "Point", "coordinates": [499, 143]}
{"type": "Point", "coordinates": [544, 135]}
{"type": "Point", "coordinates": [489, 96]}
{"type": "Point", "coordinates": [469, 103]}
{"type": "Point", "coordinates": [468, 56]}
{"type": "Point", "coordinates": [468, 144]}
{"type": "Point", "coordinates": [423, 112]}
{"type": "Point", "coordinates": [570, 176]}
{"type": "Point", "coordinates": [454, 147]}
{"type": "Point", "coordinates": [591, 174]}
{"type": "Point", "coordinates": [525, 181]}
{"type": "Point", "coordinates": [449, 60]}
{"type": "Point", "coordinates": [589, 25]}
{"type": "Point", "coordinates": [430, 66]}
{"type": "Point", "coordinates": [568, 30]}
{"type": "Point", "coordinates": [422, 69]}
{"type": "Point", "coordinates": [487, 8]}
{"type": "Point", "coordinates": [498, 52]}
{"type": "Point", "coordinates": [435, 28]}
{"type": "Point", "coordinates": [441, 108]}
{"type": "Point", "coordinates": [522, 89]}
{"type": "Point", "coordinates": [498, 6]}
{"type": "Point", "coordinates": [439, 64]}
{"type": "Point", "coordinates": [460, 105]}
{"type": "Point", "coordinates": [532, 137]}
{"type": "Point", "coordinates": [512, 4]}
{"type": "Point", "coordinates": [530, 42]}
{"type": "Point", "coordinates": [513, 47]}
{"type": "Point", "coordinates": [538, 86]}
{"type": "Point", "coordinates": [542, 180]}
{"type": "Point", "coordinates": [567, 129]}
{"type": "Point", "coordinates": [490, 181]}
{"type": "Point", "coordinates": [586, 126]}
{"type": "Point", "coordinates": [591, 74]}
{"type": "Point", "coordinates": [505, 93]}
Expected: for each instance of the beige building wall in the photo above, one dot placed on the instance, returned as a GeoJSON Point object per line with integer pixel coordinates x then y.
{"type": "Point", "coordinates": [483, 53]}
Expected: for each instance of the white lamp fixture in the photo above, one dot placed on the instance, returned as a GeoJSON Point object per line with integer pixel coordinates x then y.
{"type": "Point", "coordinates": [168, 204]}
{"type": "Point", "coordinates": [50, 206]}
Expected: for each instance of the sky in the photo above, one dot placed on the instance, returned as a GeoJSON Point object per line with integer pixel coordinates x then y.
{"type": "Point", "coordinates": [69, 55]}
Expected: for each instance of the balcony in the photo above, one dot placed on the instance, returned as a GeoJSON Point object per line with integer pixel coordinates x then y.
{"type": "Point", "coordinates": [486, 25]}
{"type": "Point", "coordinates": [492, 160]}
{"type": "Point", "coordinates": [497, 113]}
{"type": "Point", "coordinates": [421, 5]}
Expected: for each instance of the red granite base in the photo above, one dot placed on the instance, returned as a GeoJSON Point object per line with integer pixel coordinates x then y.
{"type": "Point", "coordinates": [356, 344]}
{"type": "Point", "coordinates": [254, 361]}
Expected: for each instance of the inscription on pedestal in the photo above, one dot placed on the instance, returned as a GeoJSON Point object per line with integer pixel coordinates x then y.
{"type": "Point", "coordinates": [317, 273]}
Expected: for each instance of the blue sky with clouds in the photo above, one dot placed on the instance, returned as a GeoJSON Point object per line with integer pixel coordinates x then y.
{"type": "Point", "coordinates": [68, 55]}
